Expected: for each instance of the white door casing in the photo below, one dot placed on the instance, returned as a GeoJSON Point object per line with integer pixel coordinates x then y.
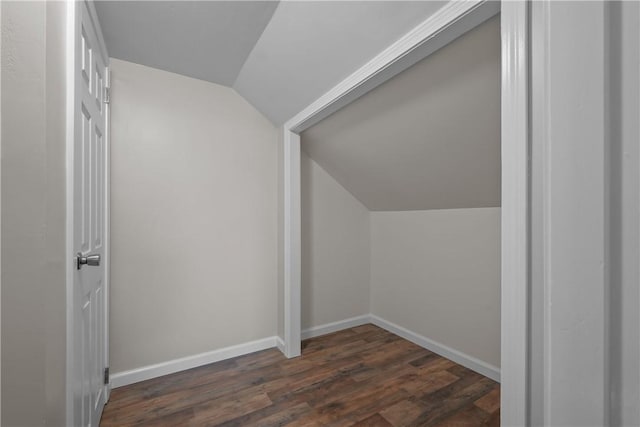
{"type": "Point", "coordinates": [87, 217]}
{"type": "Point", "coordinates": [452, 20]}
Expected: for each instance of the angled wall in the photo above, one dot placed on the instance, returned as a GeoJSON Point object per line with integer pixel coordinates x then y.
{"type": "Point", "coordinates": [429, 138]}
{"type": "Point", "coordinates": [335, 249]}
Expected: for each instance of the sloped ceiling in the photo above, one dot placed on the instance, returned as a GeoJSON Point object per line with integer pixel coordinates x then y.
{"type": "Point", "coordinates": [207, 40]}
{"type": "Point", "coordinates": [310, 46]}
{"type": "Point", "coordinates": [279, 56]}
{"type": "Point", "coordinates": [429, 138]}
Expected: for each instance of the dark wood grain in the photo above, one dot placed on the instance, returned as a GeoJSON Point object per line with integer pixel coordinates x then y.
{"type": "Point", "coordinates": [362, 376]}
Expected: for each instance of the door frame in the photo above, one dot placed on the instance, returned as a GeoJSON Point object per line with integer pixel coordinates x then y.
{"type": "Point", "coordinates": [452, 20]}
{"type": "Point", "coordinates": [72, 31]}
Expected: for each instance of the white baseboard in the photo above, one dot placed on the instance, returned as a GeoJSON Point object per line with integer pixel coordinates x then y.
{"type": "Point", "coordinates": [460, 358]}
{"type": "Point", "coordinates": [165, 368]}
{"type": "Point", "coordinates": [328, 328]}
{"type": "Point", "coordinates": [152, 371]}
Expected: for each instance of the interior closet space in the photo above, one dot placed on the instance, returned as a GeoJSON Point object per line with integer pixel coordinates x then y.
{"type": "Point", "coordinates": [401, 206]}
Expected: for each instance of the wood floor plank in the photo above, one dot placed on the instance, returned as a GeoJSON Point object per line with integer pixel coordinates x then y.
{"type": "Point", "coordinates": [438, 410]}
{"type": "Point", "coordinates": [279, 418]}
{"type": "Point", "coordinates": [371, 387]}
{"type": "Point", "coordinates": [416, 384]}
{"type": "Point", "coordinates": [402, 413]}
{"type": "Point", "coordinates": [216, 412]}
{"type": "Point", "coordinates": [490, 402]}
{"type": "Point", "coordinates": [469, 416]}
{"type": "Point", "coordinates": [375, 420]}
{"type": "Point", "coordinates": [425, 359]}
{"type": "Point", "coordinates": [180, 418]}
{"type": "Point", "coordinates": [346, 413]}
{"type": "Point", "coordinates": [124, 396]}
{"type": "Point", "coordinates": [494, 420]}
{"type": "Point", "coordinates": [362, 376]}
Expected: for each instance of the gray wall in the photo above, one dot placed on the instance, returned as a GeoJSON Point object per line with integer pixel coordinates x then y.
{"type": "Point", "coordinates": [194, 227]}
{"type": "Point", "coordinates": [33, 208]}
{"type": "Point", "coordinates": [625, 232]}
{"type": "Point", "coordinates": [335, 249]}
{"type": "Point", "coordinates": [437, 273]}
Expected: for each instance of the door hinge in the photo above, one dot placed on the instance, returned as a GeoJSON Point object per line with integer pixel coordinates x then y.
{"type": "Point", "coordinates": [106, 376]}
{"type": "Point", "coordinates": [107, 95]}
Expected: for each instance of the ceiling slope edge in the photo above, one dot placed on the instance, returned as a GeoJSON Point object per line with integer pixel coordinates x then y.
{"type": "Point", "coordinates": [206, 40]}
{"type": "Point", "coordinates": [309, 47]}
{"type": "Point", "coordinates": [429, 138]}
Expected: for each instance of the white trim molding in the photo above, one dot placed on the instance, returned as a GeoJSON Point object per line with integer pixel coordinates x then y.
{"type": "Point", "coordinates": [450, 22]}
{"type": "Point", "coordinates": [71, 31]}
{"type": "Point", "coordinates": [456, 356]}
{"type": "Point", "coordinates": [571, 132]}
{"type": "Point", "coordinates": [292, 244]}
{"type": "Point", "coordinates": [172, 366]}
{"type": "Point", "coordinates": [515, 213]}
{"type": "Point", "coordinates": [329, 328]}
{"type": "Point", "coordinates": [144, 373]}
{"type": "Point", "coordinates": [452, 354]}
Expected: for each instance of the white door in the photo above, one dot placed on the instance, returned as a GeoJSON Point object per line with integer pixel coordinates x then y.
{"type": "Point", "coordinates": [89, 211]}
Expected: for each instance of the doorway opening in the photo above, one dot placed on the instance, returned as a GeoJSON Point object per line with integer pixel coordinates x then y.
{"type": "Point", "coordinates": [436, 33]}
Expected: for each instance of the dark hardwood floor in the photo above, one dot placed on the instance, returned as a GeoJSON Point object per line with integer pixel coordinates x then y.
{"type": "Point", "coordinates": [363, 376]}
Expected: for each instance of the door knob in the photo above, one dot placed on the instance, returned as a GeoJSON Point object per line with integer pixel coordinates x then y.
{"type": "Point", "coordinates": [87, 260]}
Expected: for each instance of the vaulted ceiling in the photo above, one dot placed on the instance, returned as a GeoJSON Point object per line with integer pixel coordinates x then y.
{"type": "Point", "coordinates": [208, 40]}
{"type": "Point", "coordinates": [429, 138]}
{"type": "Point", "coordinates": [280, 56]}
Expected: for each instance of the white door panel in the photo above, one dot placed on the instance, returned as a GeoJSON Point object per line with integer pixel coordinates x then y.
{"type": "Point", "coordinates": [89, 212]}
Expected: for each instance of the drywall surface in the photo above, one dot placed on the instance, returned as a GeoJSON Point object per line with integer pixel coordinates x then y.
{"type": "Point", "coordinates": [23, 217]}
{"type": "Point", "coordinates": [193, 218]}
{"type": "Point", "coordinates": [335, 249]}
{"type": "Point", "coordinates": [429, 138]}
{"type": "Point", "coordinates": [56, 248]}
{"type": "Point", "coordinates": [310, 46]}
{"type": "Point", "coordinates": [625, 245]}
{"type": "Point", "coordinates": [209, 40]}
{"type": "Point", "coordinates": [33, 209]}
{"type": "Point", "coordinates": [437, 273]}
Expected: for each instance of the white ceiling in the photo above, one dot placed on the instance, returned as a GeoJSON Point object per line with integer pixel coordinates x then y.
{"type": "Point", "coordinates": [429, 138]}
{"type": "Point", "coordinates": [206, 40]}
{"type": "Point", "coordinates": [309, 47]}
{"type": "Point", "coordinates": [279, 56]}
